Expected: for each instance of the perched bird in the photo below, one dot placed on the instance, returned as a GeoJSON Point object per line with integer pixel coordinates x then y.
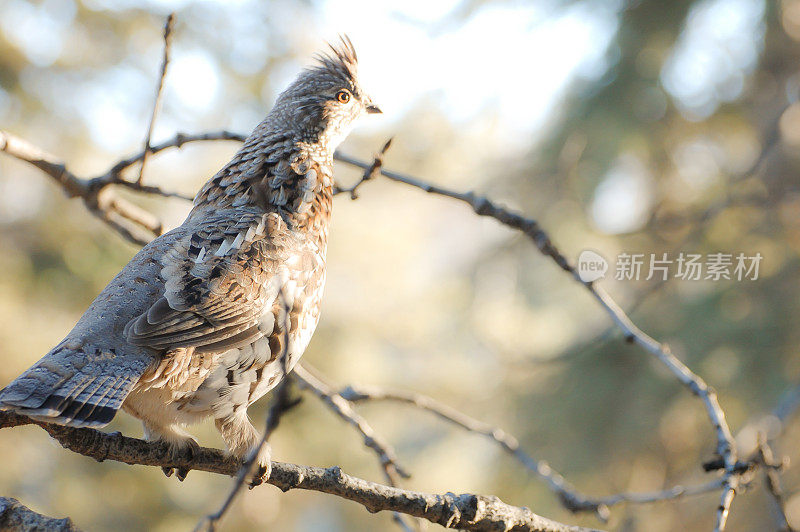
{"type": "Point", "coordinates": [196, 324]}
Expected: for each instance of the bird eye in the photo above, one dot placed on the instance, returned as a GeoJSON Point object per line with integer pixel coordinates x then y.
{"type": "Point", "coordinates": [343, 96]}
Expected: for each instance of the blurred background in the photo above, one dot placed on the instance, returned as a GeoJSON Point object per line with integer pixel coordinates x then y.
{"type": "Point", "coordinates": [622, 126]}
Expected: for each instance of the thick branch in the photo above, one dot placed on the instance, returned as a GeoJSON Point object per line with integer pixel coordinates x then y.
{"type": "Point", "coordinates": [101, 201]}
{"type": "Point", "coordinates": [466, 511]}
{"type": "Point", "coordinates": [16, 516]}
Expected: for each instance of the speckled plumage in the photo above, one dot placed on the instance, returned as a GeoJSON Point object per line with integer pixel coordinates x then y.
{"type": "Point", "coordinates": [194, 325]}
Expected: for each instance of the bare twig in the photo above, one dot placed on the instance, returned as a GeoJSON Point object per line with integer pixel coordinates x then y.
{"type": "Point", "coordinates": [159, 89]}
{"type": "Point", "coordinates": [97, 193]}
{"type": "Point", "coordinates": [177, 141]}
{"type": "Point", "coordinates": [772, 480]}
{"type": "Point", "coordinates": [14, 516]}
{"type": "Point", "coordinates": [49, 164]}
{"type": "Point", "coordinates": [341, 407]}
{"type": "Point", "coordinates": [485, 207]}
{"type": "Point", "coordinates": [369, 173]}
{"type": "Point", "coordinates": [569, 497]}
{"type": "Point", "coordinates": [466, 511]}
{"type": "Point", "coordinates": [280, 403]}
{"type": "Point", "coordinates": [506, 441]}
{"type": "Point", "coordinates": [481, 205]}
{"type": "Point", "coordinates": [309, 379]}
{"type": "Point", "coordinates": [150, 189]}
{"type": "Point", "coordinates": [108, 202]}
{"type": "Point", "coordinates": [132, 222]}
{"type": "Point", "coordinates": [100, 201]}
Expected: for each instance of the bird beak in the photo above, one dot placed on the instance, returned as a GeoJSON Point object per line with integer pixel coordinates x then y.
{"type": "Point", "coordinates": [373, 109]}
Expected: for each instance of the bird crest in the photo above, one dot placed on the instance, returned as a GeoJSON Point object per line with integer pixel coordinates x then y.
{"type": "Point", "coordinates": [341, 60]}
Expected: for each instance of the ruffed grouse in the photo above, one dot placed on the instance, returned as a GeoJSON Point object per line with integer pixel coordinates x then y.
{"type": "Point", "coordinates": [195, 324]}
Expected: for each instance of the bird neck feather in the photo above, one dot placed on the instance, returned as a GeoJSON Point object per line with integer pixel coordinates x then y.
{"type": "Point", "coordinates": [276, 172]}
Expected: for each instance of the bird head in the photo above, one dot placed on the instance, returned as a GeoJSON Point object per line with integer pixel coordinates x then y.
{"type": "Point", "coordinates": [324, 101]}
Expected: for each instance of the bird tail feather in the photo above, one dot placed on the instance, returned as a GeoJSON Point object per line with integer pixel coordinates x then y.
{"type": "Point", "coordinates": [73, 387]}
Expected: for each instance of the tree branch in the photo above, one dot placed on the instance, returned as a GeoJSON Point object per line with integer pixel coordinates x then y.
{"type": "Point", "coordinates": [49, 164]}
{"type": "Point", "coordinates": [484, 207]}
{"type": "Point", "coordinates": [177, 141]}
{"type": "Point", "coordinates": [571, 499]}
{"type": "Point", "coordinates": [309, 379]}
{"type": "Point", "coordinates": [772, 481]}
{"type": "Point", "coordinates": [369, 173]}
{"type": "Point", "coordinates": [100, 200]}
{"type": "Point", "coordinates": [465, 511]}
{"type": "Point", "coordinates": [159, 88]}
{"type": "Point", "coordinates": [16, 516]}
{"type": "Point", "coordinates": [305, 376]}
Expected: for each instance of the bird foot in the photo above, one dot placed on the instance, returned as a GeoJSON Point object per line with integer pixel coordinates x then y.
{"type": "Point", "coordinates": [183, 451]}
{"type": "Point", "coordinates": [264, 466]}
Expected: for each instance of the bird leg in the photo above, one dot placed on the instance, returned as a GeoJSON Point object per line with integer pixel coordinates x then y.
{"type": "Point", "coordinates": [242, 440]}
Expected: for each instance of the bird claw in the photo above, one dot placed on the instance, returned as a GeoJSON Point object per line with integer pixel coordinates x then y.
{"type": "Point", "coordinates": [181, 473]}
{"type": "Point", "coordinates": [261, 475]}
{"type": "Point", "coordinates": [263, 462]}
{"type": "Point", "coordinates": [184, 452]}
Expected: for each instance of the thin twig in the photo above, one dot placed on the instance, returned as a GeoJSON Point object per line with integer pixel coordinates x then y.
{"type": "Point", "coordinates": [128, 233]}
{"type": "Point", "coordinates": [341, 407]}
{"type": "Point", "coordinates": [309, 379]}
{"type": "Point", "coordinates": [49, 164]}
{"type": "Point", "coordinates": [772, 480]}
{"type": "Point", "coordinates": [159, 89]}
{"type": "Point", "coordinates": [569, 497]}
{"type": "Point", "coordinates": [101, 202]}
{"type": "Point", "coordinates": [280, 404]}
{"type": "Point", "coordinates": [177, 141]}
{"type": "Point", "coordinates": [484, 207]}
{"type": "Point", "coordinates": [110, 202]}
{"type": "Point", "coordinates": [150, 189]}
{"type": "Point", "coordinates": [369, 172]}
